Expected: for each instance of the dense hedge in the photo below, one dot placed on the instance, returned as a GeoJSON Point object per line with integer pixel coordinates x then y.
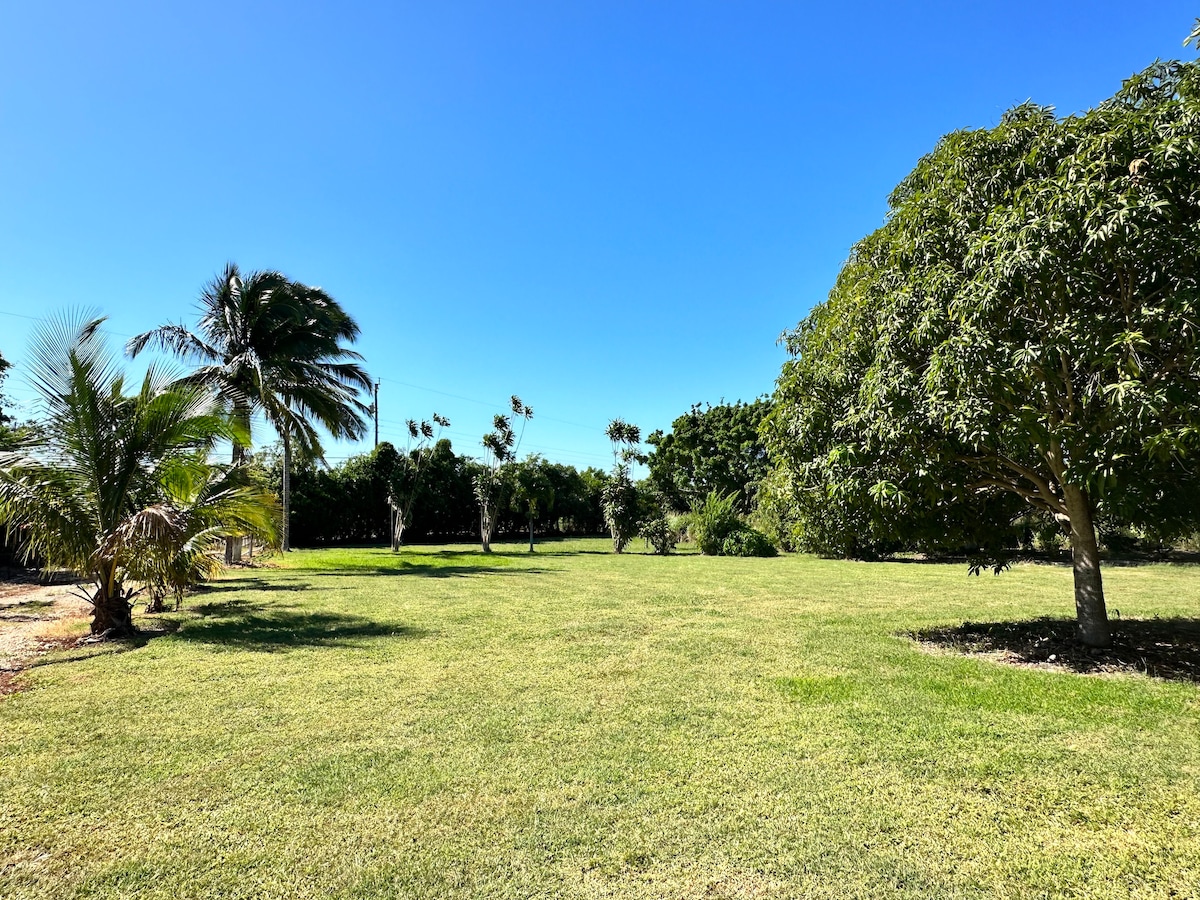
{"type": "Point", "coordinates": [347, 504]}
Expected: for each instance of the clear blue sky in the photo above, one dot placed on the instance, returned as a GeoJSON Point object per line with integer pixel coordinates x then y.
{"type": "Point", "coordinates": [608, 208]}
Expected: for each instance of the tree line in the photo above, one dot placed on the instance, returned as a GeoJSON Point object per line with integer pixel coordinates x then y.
{"type": "Point", "coordinates": [349, 503]}
{"type": "Point", "coordinates": [713, 451]}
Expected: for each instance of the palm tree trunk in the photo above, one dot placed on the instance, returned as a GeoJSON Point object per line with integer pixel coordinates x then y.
{"type": "Point", "coordinates": [1091, 615]}
{"type": "Point", "coordinates": [287, 489]}
{"type": "Point", "coordinates": [233, 544]}
{"type": "Point", "coordinates": [531, 532]}
{"type": "Point", "coordinates": [112, 612]}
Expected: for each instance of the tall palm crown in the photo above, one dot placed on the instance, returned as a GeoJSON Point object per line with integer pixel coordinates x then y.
{"type": "Point", "coordinates": [264, 343]}
{"type": "Point", "coordinates": [267, 344]}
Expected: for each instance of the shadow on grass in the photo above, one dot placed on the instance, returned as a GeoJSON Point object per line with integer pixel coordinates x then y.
{"type": "Point", "coordinates": [1161, 648]}
{"type": "Point", "coordinates": [24, 611]}
{"type": "Point", "coordinates": [1062, 559]}
{"type": "Point", "coordinates": [248, 627]}
{"type": "Point", "coordinates": [235, 585]}
{"type": "Point", "coordinates": [420, 570]}
{"type": "Point", "coordinates": [56, 651]}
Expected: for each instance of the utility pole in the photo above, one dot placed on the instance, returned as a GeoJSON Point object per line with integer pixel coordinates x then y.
{"type": "Point", "coordinates": [376, 412]}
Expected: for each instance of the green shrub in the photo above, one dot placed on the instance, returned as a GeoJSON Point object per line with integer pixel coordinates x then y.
{"type": "Point", "coordinates": [620, 504]}
{"type": "Point", "coordinates": [1049, 537]}
{"type": "Point", "coordinates": [658, 533]}
{"type": "Point", "coordinates": [681, 526]}
{"type": "Point", "coordinates": [747, 541]}
{"type": "Point", "coordinates": [713, 520]}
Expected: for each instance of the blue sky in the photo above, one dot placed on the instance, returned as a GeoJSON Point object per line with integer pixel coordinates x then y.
{"type": "Point", "coordinates": [610, 209]}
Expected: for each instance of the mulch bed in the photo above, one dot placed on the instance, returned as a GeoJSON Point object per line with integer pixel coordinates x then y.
{"type": "Point", "coordinates": [1161, 648]}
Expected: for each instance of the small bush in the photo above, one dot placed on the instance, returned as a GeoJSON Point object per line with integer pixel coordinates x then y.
{"type": "Point", "coordinates": [714, 520]}
{"type": "Point", "coordinates": [681, 526]}
{"type": "Point", "coordinates": [658, 533]}
{"type": "Point", "coordinates": [747, 541]}
{"type": "Point", "coordinates": [1049, 537]}
{"type": "Point", "coordinates": [1121, 542]}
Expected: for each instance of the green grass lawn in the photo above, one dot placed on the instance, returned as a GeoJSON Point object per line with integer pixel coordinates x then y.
{"type": "Point", "coordinates": [571, 723]}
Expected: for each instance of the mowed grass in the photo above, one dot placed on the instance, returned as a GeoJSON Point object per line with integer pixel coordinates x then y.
{"type": "Point", "coordinates": [571, 723]}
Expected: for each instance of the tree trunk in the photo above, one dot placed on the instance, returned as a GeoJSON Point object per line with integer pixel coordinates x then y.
{"type": "Point", "coordinates": [1091, 616]}
{"type": "Point", "coordinates": [112, 612]}
{"type": "Point", "coordinates": [485, 529]}
{"type": "Point", "coordinates": [531, 534]}
{"type": "Point", "coordinates": [397, 529]}
{"type": "Point", "coordinates": [287, 490]}
{"type": "Point", "coordinates": [233, 544]}
{"type": "Point", "coordinates": [155, 604]}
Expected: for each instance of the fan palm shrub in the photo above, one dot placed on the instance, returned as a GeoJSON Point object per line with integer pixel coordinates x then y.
{"type": "Point", "coordinates": [114, 484]}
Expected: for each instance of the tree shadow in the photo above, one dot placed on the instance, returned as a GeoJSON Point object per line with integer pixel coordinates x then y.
{"type": "Point", "coordinates": [421, 570]}
{"type": "Point", "coordinates": [24, 610]}
{"type": "Point", "coordinates": [237, 623]}
{"type": "Point", "coordinates": [1162, 648]}
{"type": "Point", "coordinates": [60, 650]}
{"type": "Point", "coordinates": [1060, 559]}
{"type": "Point", "coordinates": [232, 585]}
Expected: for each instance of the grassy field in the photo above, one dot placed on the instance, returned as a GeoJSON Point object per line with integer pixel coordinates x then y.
{"type": "Point", "coordinates": [571, 723]}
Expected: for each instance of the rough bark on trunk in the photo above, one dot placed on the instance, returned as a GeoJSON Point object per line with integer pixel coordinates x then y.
{"type": "Point", "coordinates": [112, 612]}
{"type": "Point", "coordinates": [531, 534]}
{"type": "Point", "coordinates": [397, 528]}
{"type": "Point", "coordinates": [1091, 616]}
{"type": "Point", "coordinates": [287, 491]}
{"type": "Point", "coordinates": [233, 545]}
{"type": "Point", "coordinates": [485, 530]}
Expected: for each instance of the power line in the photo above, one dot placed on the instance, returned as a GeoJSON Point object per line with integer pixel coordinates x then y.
{"type": "Point", "coordinates": [385, 434]}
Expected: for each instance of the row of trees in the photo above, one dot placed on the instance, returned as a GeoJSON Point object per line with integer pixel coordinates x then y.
{"type": "Point", "coordinates": [711, 456]}
{"type": "Point", "coordinates": [349, 503]}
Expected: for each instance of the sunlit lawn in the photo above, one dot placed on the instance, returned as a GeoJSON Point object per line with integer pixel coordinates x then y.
{"type": "Point", "coordinates": [572, 723]}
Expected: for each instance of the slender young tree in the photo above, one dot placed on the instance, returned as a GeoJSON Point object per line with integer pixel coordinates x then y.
{"type": "Point", "coordinates": [500, 446]}
{"type": "Point", "coordinates": [404, 480]}
{"type": "Point", "coordinates": [264, 343]}
{"type": "Point", "coordinates": [619, 497]}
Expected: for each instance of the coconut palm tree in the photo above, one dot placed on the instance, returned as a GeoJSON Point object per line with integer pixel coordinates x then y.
{"type": "Point", "coordinates": [95, 486]}
{"type": "Point", "coordinates": [266, 344]}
